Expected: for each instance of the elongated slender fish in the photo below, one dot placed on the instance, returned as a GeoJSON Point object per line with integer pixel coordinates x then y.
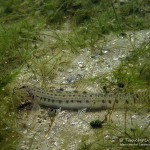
{"type": "Point", "coordinates": [78, 100]}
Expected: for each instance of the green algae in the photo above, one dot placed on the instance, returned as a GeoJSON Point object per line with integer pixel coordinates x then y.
{"type": "Point", "coordinates": [90, 21]}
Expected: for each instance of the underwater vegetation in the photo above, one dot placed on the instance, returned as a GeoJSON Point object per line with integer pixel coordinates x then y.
{"type": "Point", "coordinates": [96, 124]}
{"type": "Point", "coordinates": [133, 71]}
{"type": "Point", "coordinates": [16, 36]}
{"type": "Point", "coordinates": [20, 24]}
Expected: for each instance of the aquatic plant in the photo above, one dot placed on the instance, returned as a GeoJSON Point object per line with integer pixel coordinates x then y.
{"type": "Point", "coordinates": [15, 50]}
{"type": "Point", "coordinates": [89, 22]}
{"type": "Point", "coordinates": [133, 71]}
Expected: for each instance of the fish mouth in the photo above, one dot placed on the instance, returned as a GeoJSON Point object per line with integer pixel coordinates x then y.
{"type": "Point", "coordinates": [18, 88]}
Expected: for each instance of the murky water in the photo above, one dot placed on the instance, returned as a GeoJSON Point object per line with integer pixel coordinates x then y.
{"type": "Point", "coordinates": [69, 129]}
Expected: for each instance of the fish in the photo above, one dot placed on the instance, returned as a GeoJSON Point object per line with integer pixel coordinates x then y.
{"type": "Point", "coordinates": [79, 100]}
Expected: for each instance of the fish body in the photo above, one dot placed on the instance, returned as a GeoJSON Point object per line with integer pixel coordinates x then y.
{"type": "Point", "coordinates": [79, 100]}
